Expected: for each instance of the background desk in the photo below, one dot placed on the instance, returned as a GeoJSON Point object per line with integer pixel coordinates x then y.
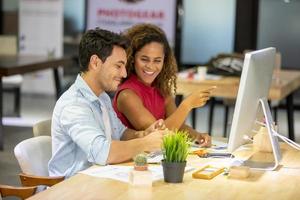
{"type": "Point", "coordinates": [285, 84]}
{"type": "Point", "coordinates": [280, 184]}
{"type": "Point", "coordinates": [11, 65]}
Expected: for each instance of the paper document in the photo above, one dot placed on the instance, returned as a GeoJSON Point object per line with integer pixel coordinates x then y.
{"type": "Point", "coordinates": [121, 173]}
{"type": "Point", "coordinates": [155, 157]}
{"type": "Point", "coordinates": [186, 75]}
{"type": "Point", "coordinates": [219, 145]}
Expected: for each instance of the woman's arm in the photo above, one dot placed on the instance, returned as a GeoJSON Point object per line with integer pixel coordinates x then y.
{"type": "Point", "coordinates": [130, 104]}
{"type": "Point", "coordinates": [175, 117]}
{"type": "Point", "coordinates": [174, 114]}
{"type": "Point", "coordinates": [201, 138]}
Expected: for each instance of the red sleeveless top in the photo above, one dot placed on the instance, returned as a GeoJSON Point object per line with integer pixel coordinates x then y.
{"type": "Point", "coordinates": [150, 96]}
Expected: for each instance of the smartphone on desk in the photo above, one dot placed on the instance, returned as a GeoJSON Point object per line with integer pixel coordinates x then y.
{"type": "Point", "coordinates": [154, 157]}
{"type": "Point", "coordinates": [218, 155]}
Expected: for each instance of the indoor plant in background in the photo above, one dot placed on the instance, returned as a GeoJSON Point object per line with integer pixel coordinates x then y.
{"type": "Point", "coordinates": [175, 150]}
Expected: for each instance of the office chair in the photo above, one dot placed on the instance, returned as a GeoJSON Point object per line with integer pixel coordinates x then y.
{"type": "Point", "coordinates": [33, 155]}
{"type": "Point", "coordinates": [21, 192]}
{"type": "Point", "coordinates": [42, 128]}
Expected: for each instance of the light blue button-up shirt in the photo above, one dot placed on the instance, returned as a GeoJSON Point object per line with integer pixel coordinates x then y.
{"type": "Point", "coordinates": [78, 132]}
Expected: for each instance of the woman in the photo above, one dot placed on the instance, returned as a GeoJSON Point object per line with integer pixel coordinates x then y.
{"type": "Point", "coordinates": [146, 93]}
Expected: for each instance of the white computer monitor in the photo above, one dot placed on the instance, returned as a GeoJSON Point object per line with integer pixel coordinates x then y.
{"type": "Point", "coordinates": [254, 85]}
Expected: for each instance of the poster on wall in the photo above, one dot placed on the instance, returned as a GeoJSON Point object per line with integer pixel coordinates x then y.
{"type": "Point", "coordinates": [118, 15]}
{"type": "Point", "coordinates": [40, 33]}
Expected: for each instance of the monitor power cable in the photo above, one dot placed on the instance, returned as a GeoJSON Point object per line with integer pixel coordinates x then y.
{"type": "Point", "coordinates": [287, 140]}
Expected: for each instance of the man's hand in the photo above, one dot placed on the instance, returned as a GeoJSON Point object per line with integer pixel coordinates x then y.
{"type": "Point", "coordinates": [153, 141]}
{"type": "Point", "coordinates": [203, 139]}
{"type": "Point", "coordinates": [198, 98]}
{"type": "Point", "coordinates": [158, 125]}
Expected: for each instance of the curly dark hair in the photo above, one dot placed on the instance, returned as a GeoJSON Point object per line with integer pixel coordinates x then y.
{"type": "Point", "coordinates": [98, 42]}
{"type": "Point", "coordinates": [143, 34]}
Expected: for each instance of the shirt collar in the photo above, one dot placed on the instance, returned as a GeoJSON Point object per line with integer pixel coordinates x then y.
{"type": "Point", "coordinates": [85, 90]}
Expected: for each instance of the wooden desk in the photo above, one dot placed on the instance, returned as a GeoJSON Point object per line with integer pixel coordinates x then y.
{"type": "Point", "coordinates": [283, 86]}
{"type": "Point", "coordinates": [11, 65]}
{"type": "Point", "coordinates": [280, 184]}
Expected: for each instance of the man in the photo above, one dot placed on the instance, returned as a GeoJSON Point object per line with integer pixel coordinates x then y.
{"type": "Point", "coordinates": [85, 128]}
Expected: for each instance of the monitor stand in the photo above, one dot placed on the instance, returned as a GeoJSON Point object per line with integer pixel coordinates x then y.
{"type": "Point", "coordinates": [273, 139]}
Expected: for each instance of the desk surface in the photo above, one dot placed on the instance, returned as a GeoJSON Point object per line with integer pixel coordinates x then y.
{"type": "Point", "coordinates": [11, 65]}
{"type": "Point", "coordinates": [286, 82]}
{"type": "Point", "coordinates": [280, 184]}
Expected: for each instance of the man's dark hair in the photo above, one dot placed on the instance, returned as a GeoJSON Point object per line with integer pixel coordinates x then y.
{"type": "Point", "coordinates": [98, 42]}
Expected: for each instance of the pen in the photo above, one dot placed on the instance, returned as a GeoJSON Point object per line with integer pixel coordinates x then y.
{"type": "Point", "coordinates": [217, 155]}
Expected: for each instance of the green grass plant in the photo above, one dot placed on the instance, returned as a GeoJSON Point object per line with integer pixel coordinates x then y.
{"type": "Point", "coordinates": [176, 146]}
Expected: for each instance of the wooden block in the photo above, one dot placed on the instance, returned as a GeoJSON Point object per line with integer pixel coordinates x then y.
{"type": "Point", "coordinates": [208, 172]}
{"type": "Point", "coordinates": [261, 141]}
{"type": "Point", "coordinates": [239, 172]}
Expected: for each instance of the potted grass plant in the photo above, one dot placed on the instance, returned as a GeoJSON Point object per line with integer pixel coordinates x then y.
{"type": "Point", "coordinates": [175, 150]}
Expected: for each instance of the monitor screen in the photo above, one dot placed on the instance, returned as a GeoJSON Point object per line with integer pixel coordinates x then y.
{"type": "Point", "coordinates": [255, 83]}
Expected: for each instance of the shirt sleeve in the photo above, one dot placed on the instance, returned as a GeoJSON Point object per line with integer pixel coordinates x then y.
{"type": "Point", "coordinates": [79, 122]}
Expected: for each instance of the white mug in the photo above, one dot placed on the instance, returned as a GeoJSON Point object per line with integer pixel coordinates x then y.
{"type": "Point", "coordinates": [201, 72]}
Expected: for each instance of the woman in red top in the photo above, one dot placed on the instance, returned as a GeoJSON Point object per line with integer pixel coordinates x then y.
{"type": "Point", "coordinates": [146, 93]}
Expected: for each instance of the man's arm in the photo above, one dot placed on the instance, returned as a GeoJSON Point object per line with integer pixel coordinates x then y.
{"type": "Point", "coordinates": [121, 151]}
{"type": "Point", "coordinates": [130, 134]}
{"type": "Point", "coordinates": [136, 142]}
{"type": "Point", "coordinates": [79, 123]}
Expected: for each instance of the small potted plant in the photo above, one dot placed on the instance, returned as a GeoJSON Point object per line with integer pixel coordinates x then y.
{"type": "Point", "coordinates": [140, 162]}
{"type": "Point", "coordinates": [175, 151]}
{"type": "Point", "coordinates": [140, 175]}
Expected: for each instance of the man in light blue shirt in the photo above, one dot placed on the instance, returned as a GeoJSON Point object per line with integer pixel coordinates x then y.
{"type": "Point", "coordinates": [85, 128]}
